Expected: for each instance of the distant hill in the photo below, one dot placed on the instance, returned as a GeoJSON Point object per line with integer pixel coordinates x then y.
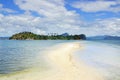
{"type": "Point", "coordinates": [112, 38]}
{"type": "Point", "coordinates": [32, 36]}
{"type": "Point", "coordinates": [65, 34]}
{"type": "Point", "coordinates": [4, 38]}
{"type": "Point", "coordinates": [105, 37]}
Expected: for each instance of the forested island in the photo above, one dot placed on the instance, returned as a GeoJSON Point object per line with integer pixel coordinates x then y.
{"type": "Point", "coordinates": [32, 36]}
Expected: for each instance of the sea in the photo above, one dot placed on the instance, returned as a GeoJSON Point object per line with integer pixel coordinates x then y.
{"type": "Point", "coordinates": [19, 55]}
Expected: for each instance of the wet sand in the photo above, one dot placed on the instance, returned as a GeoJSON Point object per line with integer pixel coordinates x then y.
{"type": "Point", "coordinates": [63, 66]}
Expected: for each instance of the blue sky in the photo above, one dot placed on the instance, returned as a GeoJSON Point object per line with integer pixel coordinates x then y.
{"type": "Point", "coordinates": [90, 17]}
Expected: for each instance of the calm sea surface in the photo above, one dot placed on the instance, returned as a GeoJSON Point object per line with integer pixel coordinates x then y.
{"type": "Point", "coordinates": [103, 55]}
{"type": "Point", "coordinates": [18, 55]}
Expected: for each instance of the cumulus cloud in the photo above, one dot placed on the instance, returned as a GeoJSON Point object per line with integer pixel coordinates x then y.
{"type": "Point", "coordinates": [54, 17]}
{"type": "Point", "coordinates": [104, 27]}
{"type": "Point", "coordinates": [46, 8]}
{"type": "Point", "coordinates": [96, 6]}
{"type": "Point", "coordinates": [14, 24]}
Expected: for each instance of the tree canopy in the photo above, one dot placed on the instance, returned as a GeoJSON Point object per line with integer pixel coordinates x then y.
{"type": "Point", "coordinates": [32, 36]}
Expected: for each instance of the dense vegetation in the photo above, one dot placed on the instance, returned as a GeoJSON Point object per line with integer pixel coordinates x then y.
{"type": "Point", "coordinates": [32, 36]}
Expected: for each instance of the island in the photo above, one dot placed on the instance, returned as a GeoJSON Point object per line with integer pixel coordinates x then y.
{"type": "Point", "coordinates": [32, 36]}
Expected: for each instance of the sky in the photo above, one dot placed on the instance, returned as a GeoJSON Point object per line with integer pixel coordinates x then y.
{"type": "Point", "coordinates": [90, 17]}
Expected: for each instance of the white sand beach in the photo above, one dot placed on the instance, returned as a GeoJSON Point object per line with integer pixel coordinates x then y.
{"type": "Point", "coordinates": [63, 66]}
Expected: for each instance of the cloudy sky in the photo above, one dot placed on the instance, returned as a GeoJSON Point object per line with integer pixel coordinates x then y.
{"type": "Point", "coordinates": [90, 17]}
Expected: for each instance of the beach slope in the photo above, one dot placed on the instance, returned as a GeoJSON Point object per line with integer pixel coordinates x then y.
{"type": "Point", "coordinates": [63, 66]}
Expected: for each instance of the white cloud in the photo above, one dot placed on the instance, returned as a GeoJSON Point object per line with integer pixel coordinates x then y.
{"type": "Point", "coordinates": [96, 6]}
{"type": "Point", "coordinates": [46, 8]}
{"type": "Point", "coordinates": [105, 27]}
{"type": "Point", "coordinates": [54, 14]}
{"type": "Point", "coordinates": [54, 17]}
{"type": "Point", "coordinates": [13, 24]}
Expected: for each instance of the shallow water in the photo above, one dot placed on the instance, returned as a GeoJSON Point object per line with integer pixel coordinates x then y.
{"type": "Point", "coordinates": [102, 55]}
{"type": "Point", "coordinates": [20, 55]}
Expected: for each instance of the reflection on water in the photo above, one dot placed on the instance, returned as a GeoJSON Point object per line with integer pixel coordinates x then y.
{"type": "Point", "coordinates": [103, 55]}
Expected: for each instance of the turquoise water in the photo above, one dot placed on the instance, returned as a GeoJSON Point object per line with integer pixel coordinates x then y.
{"type": "Point", "coordinates": [18, 55]}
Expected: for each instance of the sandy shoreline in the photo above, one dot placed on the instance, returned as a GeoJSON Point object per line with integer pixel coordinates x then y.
{"type": "Point", "coordinates": [64, 66]}
{"type": "Point", "coordinates": [68, 68]}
